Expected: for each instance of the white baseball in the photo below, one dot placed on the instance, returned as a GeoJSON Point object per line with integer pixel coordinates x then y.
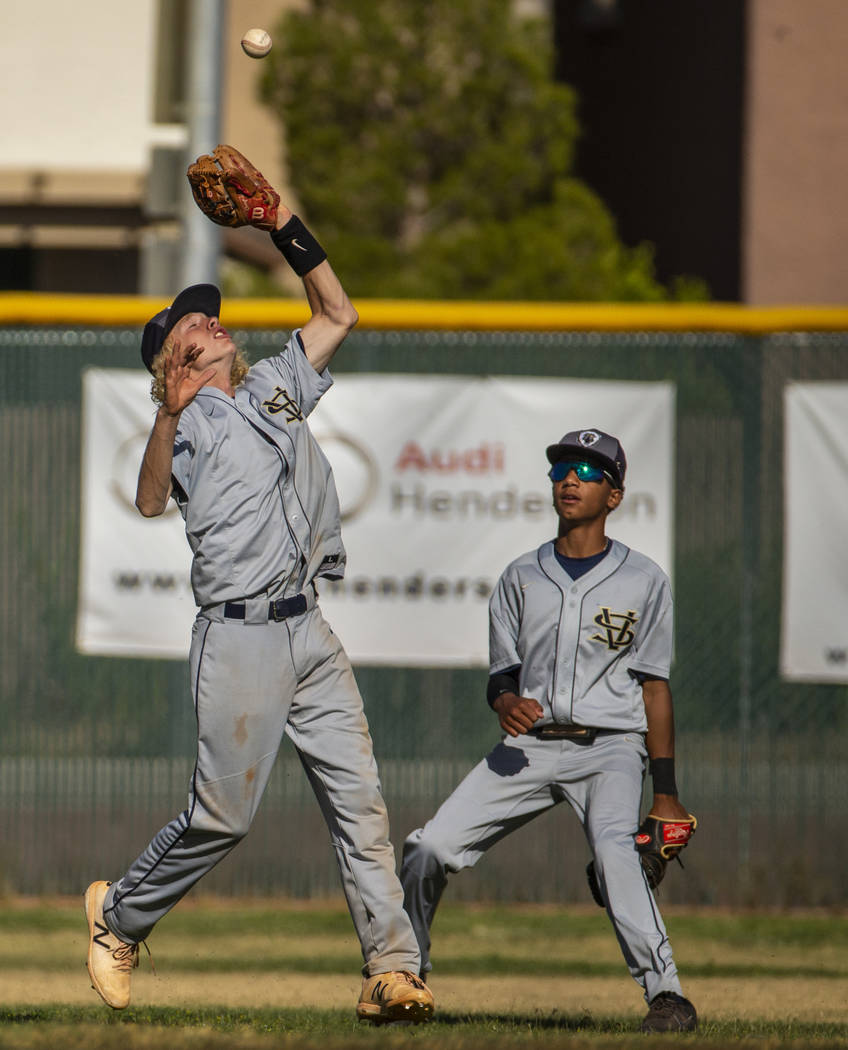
{"type": "Point", "coordinates": [256, 43]}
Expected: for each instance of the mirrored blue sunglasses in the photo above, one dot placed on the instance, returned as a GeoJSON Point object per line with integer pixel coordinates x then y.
{"type": "Point", "coordinates": [585, 471]}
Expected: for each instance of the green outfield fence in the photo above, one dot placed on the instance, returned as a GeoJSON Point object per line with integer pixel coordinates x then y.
{"type": "Point", "coordinates": [96, 752]}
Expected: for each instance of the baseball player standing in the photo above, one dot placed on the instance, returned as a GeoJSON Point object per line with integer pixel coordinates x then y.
{"type": "Point", "coordinates": [233, 448]}
{"type": "Point", "coordinates": [580, 635]}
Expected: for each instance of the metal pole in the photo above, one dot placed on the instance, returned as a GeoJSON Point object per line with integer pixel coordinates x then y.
{"type": "Point", "coordinates": [746, 663]}
{"type": "Point", "coordinates": [749, 364]}
{"type": "Point", "coordinates": [202, 238]}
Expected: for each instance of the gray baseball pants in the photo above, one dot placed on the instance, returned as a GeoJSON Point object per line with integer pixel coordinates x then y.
{"type": "Point", "coordinates": [252, 681]}
{"type": "Point", "coordinates": [521, 778]}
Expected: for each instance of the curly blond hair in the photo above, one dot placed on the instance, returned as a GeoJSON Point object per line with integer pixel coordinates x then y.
{"type": "Point", "coordinates": [157, 386]}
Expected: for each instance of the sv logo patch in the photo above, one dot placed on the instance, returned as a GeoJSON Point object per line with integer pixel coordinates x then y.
{"type": "Point", "coordinates": [282, 402]}
{"type": "Point", "coordinates": [617, 628]}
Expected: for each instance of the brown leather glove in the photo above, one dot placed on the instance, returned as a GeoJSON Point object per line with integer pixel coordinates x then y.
{"type": "Point", "coordinates": [231, 191]}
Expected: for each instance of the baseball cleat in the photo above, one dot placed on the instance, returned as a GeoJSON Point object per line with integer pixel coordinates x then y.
{"type": "Point", "coordinates": [670, 1012]}
{"type": "Point", "coordinates": [110, 961]}
{"type": "Point", "coordinates": [398, 996]}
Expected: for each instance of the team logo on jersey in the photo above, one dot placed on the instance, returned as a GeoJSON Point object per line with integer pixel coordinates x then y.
{"type": "Point", "coordinates": [281, 402]}
{"type": "Point", "coordinates": [617, 628]}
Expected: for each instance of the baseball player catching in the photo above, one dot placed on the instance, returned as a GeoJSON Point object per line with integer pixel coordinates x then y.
{"type": "Point", "coordinates": [233, 448]}
{"type": "Point", "coordinates": [580, 636]}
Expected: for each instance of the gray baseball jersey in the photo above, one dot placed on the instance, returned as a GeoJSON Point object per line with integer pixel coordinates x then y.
{"type": "Point", "coordinates": [262, 519]}
{"type": "Point", "coordinates": [581, 645]}
{"type": "Point", "coordinates": [255, 490]}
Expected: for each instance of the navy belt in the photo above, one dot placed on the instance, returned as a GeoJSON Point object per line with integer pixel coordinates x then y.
{"type": "Point", "coordinates": [280, 609]}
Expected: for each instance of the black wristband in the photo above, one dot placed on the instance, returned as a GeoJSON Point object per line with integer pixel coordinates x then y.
{"type": "Point", "coordinates": [300, 249]}
{"type": "Point", "coordinates": [662, 774]}
{"type": "Point", "coordinates": [498, 684]}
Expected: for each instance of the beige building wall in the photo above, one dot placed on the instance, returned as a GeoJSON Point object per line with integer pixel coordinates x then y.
{"type": "Point", "coordinates": [795, 218]}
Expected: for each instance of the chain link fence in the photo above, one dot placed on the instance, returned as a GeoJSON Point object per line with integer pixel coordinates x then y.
{"type": "Point", "coordinates": [96, 752]}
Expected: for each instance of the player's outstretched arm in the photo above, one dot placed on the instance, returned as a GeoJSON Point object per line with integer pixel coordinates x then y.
{"type": "Point", "coordinates": [154, 478]}
{"type": "Point", "coordinates": [231, 191]}
{"type": "Point", "coordinates": [659, 711]}
{"type": "Point", "coordinates": [333, 314]}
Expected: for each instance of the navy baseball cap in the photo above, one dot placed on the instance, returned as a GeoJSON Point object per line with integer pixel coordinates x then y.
{"type": "Point", "coordinates": [594, 445]}
{"type": "Point", "coordinates": [197, 299]}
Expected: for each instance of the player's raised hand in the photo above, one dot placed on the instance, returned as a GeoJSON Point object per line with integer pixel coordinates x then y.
{"type": "Point", "coordinates": [181, 383]}
{"type": "Point", "coordinates": [517, 714]}
{"type": "Point", "coordinates": [668, 807]}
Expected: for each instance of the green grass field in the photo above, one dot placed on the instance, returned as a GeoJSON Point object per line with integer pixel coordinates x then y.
{"type": "Point", "coordinates": [250, 975]}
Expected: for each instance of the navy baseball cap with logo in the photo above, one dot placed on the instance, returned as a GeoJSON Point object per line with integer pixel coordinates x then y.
{"type": "Point", "coordinates": [593, 445]}
{"type": "Point", "coordinates": [197, 299]}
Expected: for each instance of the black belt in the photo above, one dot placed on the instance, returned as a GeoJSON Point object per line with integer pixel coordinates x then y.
{"type": "Point", "coordinates": [570, 731]}
{"type": "Point", "coordinates": [280, 609]}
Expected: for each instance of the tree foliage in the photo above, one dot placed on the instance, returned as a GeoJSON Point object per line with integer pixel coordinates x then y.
{"type": "Point", "coordinates": [433, 151]}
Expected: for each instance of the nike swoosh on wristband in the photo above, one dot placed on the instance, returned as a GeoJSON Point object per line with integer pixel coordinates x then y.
{"type": "Point", "coordinates": [298, 246]}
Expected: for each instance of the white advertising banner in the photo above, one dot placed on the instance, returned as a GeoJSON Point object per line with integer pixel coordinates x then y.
{"type": "Point", "coordinates": [442, 482]}
{"type": "Point", "coordinates": [134, 592]}
{"type": "Point", "coordinates": [814, 641]}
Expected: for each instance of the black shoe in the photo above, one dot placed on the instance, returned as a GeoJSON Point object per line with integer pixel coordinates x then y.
{"type": "Point", "coordinates": [670, 1012]}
